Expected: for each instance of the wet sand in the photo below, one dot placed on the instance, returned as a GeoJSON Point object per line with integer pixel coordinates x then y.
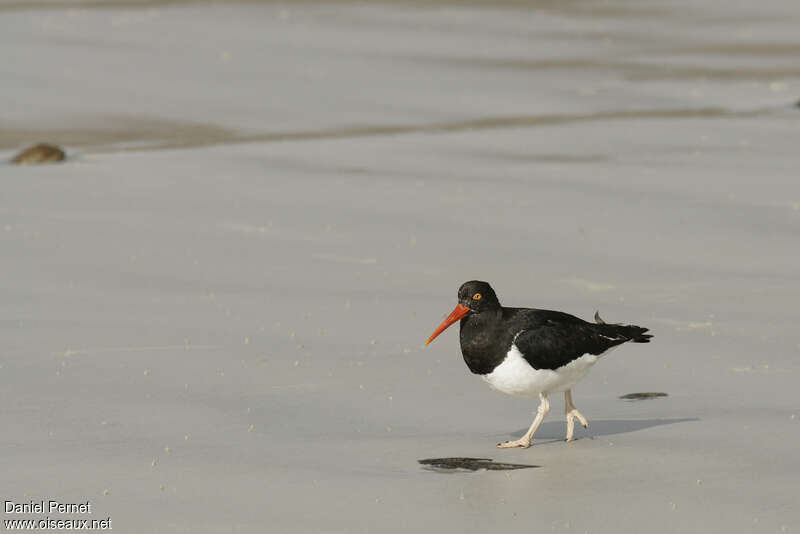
{"type": "Point", "coordinates": [214, 311]}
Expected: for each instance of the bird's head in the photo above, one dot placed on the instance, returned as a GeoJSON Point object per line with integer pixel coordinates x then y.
{"type": "Point", "coordinates": [473, 297]}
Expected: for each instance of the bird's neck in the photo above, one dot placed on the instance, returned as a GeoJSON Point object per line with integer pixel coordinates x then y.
{"type": "Point", "coordinates": [479, 341]}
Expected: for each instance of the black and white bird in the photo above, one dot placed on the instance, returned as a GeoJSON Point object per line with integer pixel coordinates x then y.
{"type": "Point", "coordinates": [528, 353]}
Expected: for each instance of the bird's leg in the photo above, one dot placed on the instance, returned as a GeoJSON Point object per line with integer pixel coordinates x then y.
{"type": "Point", "coordinates": [572, 413]}
{"type": "Point", "coordinates": [525, 441]}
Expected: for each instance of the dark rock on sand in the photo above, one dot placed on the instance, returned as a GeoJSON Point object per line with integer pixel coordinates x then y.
{"type": "Point", "coordinates": [41, 153]}
{"type": "Point", "coordinates": [643, 396]}
{"type": "Point", "coordinates": [472, 464]}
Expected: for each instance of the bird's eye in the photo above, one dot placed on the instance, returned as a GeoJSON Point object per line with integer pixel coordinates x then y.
{"type": "Point", "coordinates": [476, 296]}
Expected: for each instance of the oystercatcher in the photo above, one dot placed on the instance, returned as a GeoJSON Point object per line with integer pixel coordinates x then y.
{"type": "Point", "coordinates": [528, 352]}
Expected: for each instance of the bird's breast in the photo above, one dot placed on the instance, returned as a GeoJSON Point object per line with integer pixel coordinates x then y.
{"type": "Point", "coordinates": [515, 376]}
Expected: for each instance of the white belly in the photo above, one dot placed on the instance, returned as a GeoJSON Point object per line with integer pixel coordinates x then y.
{"type": "Point", "coordinates": [516, 377]}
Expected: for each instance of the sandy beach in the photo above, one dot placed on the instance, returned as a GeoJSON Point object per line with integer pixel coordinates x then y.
{"type": "Point", "coordinates": [214, 311]}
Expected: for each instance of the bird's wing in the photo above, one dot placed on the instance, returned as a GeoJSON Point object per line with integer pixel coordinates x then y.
{"type": "Point", "coordinates": [553, 343]}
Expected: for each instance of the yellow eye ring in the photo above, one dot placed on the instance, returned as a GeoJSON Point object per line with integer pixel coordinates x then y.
{"type": "Point", "coordinates": [476, 296]}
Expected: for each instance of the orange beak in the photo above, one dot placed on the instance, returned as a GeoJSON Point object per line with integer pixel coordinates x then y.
{"type": "Point", "coordinates": [457, 314]}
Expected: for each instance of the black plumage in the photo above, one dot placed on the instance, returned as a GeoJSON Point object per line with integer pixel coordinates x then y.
{"type": "Point", "coordinates": [546, 339]}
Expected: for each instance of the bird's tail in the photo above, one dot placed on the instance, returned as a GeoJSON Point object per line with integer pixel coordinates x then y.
{"type": "Point", "coordinates": [634, 333]}
{"type": "Point", "coordinates": [637, 333]}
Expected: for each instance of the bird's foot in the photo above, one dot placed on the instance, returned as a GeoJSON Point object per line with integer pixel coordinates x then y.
{"type": "Point", "coordinates": [571, 416]}
{"type": "Point", "coordinates": [521, 442]}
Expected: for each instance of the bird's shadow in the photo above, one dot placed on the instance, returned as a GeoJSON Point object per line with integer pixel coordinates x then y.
{"type": "Point", "coordinates": [555, 430]}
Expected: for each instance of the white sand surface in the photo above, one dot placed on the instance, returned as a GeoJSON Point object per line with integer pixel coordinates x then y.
{"type": "Point", "coordinates": [213, 314]}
